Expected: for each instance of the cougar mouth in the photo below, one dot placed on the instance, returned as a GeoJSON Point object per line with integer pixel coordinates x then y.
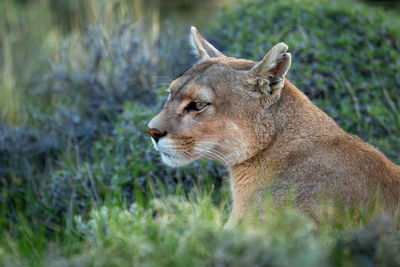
{"type": "Point", "coordinates": [171, 156]}
{"type": "Point", "coordinates": [174, 159]}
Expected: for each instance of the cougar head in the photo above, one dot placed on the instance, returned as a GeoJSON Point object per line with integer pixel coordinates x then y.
{"type": "Point", "coordinates": [219, 107]}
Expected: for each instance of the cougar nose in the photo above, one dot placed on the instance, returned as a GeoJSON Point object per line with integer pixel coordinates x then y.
{"type": "Point", "coordinates": [156, 134]}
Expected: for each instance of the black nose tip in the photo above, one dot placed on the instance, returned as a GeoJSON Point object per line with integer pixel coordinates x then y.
{"type": "Point", "coordinates": [156, 134]}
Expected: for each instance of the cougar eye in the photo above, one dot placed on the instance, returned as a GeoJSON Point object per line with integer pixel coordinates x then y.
{"type": "Point", "coordinates": [196, 106]}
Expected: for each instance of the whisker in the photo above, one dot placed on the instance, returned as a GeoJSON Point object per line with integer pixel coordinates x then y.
{"type": "Point", "coordinates": [221, 155]}
{"type": "Point", "coordinates": [207, 154]}
{"type": "Point", "coordinates": [202, 151]}
{"type": "Point", "coordinates": [214, 154]}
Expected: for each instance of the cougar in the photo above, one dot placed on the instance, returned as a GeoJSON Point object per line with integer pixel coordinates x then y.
{"type": "Point", "coordinates": [253, 120]}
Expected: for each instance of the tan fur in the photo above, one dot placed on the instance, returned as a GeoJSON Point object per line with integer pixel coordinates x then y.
{"type": "Point", "coordinates": [268, 133]}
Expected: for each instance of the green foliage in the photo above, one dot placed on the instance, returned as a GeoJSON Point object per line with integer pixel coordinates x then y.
{"type": "Point", "coordinates": [80, 183]}
{"type": "Point", "coordinates": [181, 231]}
{"type": "Point", "coordinates": [178, 232]}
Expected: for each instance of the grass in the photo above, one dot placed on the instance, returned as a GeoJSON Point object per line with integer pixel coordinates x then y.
{"type": "Point", "coordinates": [178, 230]}
{"type": "Point", "coordinates": [80, 183]}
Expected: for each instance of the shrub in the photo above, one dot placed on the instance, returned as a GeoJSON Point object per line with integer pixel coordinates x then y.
{"type": "Point", "coordinates": [52, 165]}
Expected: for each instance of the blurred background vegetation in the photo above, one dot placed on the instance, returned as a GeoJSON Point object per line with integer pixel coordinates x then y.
{"type": "Point", "coordinates": [79, 80]}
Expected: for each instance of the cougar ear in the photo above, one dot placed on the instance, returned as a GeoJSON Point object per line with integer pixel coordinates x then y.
{"type": "Point", "coordinates": [268, 75]}
{"type": "Point", "coordinates": [201, 47]}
